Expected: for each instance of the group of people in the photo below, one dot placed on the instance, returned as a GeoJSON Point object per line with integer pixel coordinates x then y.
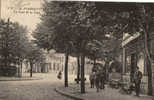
{"type": "Point", "coordinates": [97, 77]}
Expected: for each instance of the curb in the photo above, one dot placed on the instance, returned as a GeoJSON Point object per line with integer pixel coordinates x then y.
{"type": "Point", "coordinates": [68, 95]}
{"type": "Point", "coordinates": [21, 79]}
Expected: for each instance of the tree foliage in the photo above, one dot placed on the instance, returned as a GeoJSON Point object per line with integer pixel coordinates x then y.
{"type": "Point", "coordinates": [13, 39]}
{"type": "Point", "coordinates": [132, 18]}
{"type": "Point", "coordinates": [80, 27]}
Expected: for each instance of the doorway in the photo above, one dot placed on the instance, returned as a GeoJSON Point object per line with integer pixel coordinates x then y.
{"type": "Point", "coordinates": [133, 65]}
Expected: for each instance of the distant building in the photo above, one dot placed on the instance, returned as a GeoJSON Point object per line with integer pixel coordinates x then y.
{"type": "Point", "coordinates": [55, 62]}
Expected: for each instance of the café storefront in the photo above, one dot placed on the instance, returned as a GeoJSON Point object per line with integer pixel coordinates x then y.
{"type": "Point", "coordinates": [134, 55]}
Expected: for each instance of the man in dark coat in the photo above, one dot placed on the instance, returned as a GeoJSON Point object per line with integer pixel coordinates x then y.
{"type": "Point", "coordinates": [137, 80]}
{"type": "Point", "coordinates": [102, 78]}
{"type": "Point", "coordinates": [97, 80]}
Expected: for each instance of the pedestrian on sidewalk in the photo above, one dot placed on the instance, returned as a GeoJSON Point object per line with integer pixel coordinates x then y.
{"type": "Point", "coordinates": [97, 79]}
{"type": "Point", "coordinates": [59, 76]}
{"type": "Point", "coordinates": [102, 78]}
{"type": "Point", "coordinates": [137, 80]}
{"type": "Point", "coordinates": [92, 79]}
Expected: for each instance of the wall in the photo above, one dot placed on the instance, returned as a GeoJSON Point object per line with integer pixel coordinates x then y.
{"type": "Point", "coordinates": [153, 76]}
{"type": "Point", "coordinates": [152, 49]}
{"type": "Point", "coordinates": [152, 52]}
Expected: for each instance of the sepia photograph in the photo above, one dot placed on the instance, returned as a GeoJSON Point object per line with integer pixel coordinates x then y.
{"type": "Point", "coordinates": [76, 50]}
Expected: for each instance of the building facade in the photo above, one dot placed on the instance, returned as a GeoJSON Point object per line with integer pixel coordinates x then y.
{"type": "Point", "coordinates": [55, 62]}
{"type": "Point", "coordinates": [134, 55]}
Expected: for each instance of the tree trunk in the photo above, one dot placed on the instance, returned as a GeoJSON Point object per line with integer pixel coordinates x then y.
{"type": "Point", "coordinates": [106, 70]}
{"type": "Point", "coordinates": [78, 70]}
{"type": "Point", "coordinates": [66, 70]}
{"type": "Point", "coordinates": [147, 47]}
{"type": "Point", "coordinates": [21, 70]}
{"type": "Point", "coordinates": [149, 63]}
{"type": "Point", "coordinates": [18, 70]}
{"type": "Point", "coordinates": [82, 74]}
{"type": "Point", "coordinates": [149, 70]}
{"type": "Point", "coordinates": [31, 69]}
{"type": "Point", "coordinates": [94, 62]}
{"type": "Point", "coordinates": [133, 66]}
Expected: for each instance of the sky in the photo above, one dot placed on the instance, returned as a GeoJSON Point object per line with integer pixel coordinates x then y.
{"type": "Point", "coordinates": [26, 12]}
{"type": "Point", "coordinates": [10, 9]}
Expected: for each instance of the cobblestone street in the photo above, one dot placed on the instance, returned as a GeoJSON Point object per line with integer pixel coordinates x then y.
{"type": "Point", "coordinates": [44, 89]}
{"type": "Point", "coordinates": [31, 89]}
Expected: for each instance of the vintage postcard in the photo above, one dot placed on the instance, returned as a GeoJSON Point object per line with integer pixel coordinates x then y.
{"type": "Point", "coordinates": [76, 50]}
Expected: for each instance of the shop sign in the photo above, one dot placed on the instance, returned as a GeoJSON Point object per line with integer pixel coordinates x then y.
{"type": "Point", "coordinates": [130, 39]}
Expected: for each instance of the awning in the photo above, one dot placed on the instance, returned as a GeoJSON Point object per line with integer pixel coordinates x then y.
{"type": "Point", "coordinates": [130, 38]}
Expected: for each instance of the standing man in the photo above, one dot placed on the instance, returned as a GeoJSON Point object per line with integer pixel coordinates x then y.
{"type": "Point", "coordinates": [102, 78]}
{"type": "Point", "coordinates": [137, 80]}
{"type": "Point", "coordinates": [97, 79]}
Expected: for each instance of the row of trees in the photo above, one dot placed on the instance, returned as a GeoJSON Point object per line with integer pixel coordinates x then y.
{"type": "Point", "coordinates": [15, 47]}
{"type": "Point", "coordinates": [92, 29]}
{"type": "Point", "coordinates": [73, 28]}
